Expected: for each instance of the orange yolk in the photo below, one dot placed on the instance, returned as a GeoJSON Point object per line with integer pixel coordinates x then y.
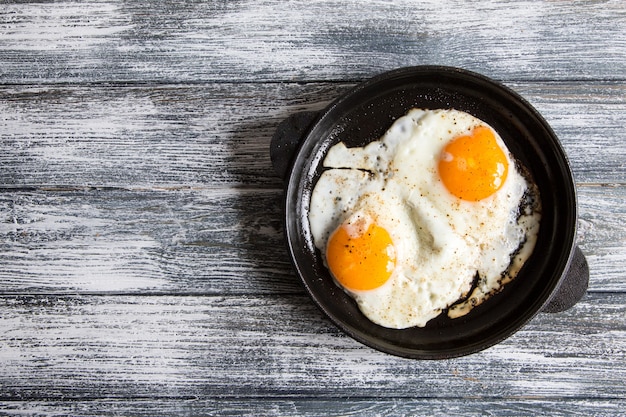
{"type": "Point", "coordinates": [360, 256]}
{"type": "Point", "coordinates": [473, 167]}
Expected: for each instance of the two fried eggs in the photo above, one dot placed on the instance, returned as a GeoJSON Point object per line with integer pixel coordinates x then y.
{"type": "Point", "coordinates": [434, 216]}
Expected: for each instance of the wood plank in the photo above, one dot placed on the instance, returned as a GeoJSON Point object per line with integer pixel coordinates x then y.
{"type": "Point", "coordinates": [191, 136]}
{"type": "Point", "coordinates": [94, 41]}
{"type": "Point", "coordinates": [96, 347]}
{"type": "Point", "coordinates": [219, 134]}
{"type": "Point", "coordinates": [142, 261]}
{"type": "Point", "coordinates": [296, 407]}
{"type": "Point", "coordinates": [603, 245]}
{"type": "Point", "coordinates": [582, 116]}
{"type": "Point", "coordinates": [182, 241]}
{"type": "Point", "coordinates": [218, 241]}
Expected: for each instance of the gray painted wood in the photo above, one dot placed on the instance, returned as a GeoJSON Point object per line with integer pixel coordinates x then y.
{"type": "Point", "coordinates": [299, 407]}
{"type": "Point", "coordinates": [92, 41]}
{"type": "Point", "coordinates": [218, 134]}
{"type": "Point", "coordinates": [143, 269]}
{"type": "Point", "coordinates": [217, 241]}
{"type": "Point", "coordinates": [81, 347]}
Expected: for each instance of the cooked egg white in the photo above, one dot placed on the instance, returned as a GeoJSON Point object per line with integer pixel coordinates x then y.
{"type": "Point", "coordinates": [433, 216]}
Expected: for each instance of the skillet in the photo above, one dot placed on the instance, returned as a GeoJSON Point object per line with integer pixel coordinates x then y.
{"type": "Point", "coordinates": [553, 279]}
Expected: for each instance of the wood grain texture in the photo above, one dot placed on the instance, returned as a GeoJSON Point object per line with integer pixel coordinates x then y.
{"type": "Point", "coordinates": [184, 241]}
{"type": "Point", "coordinates": [217, 241]}
{"type": "Point", "coordinates": [142, 261]}
{"type": "Point", "coordinates": [218, 134]}
{"type": "Point", "coordinates": [163, 136]}
{"type": "Point", "coordinates": [301, 407]}
{"type": "Point", "coordinates": [180, 347]}
{"type": "Point", "coordinates": [103, 41]}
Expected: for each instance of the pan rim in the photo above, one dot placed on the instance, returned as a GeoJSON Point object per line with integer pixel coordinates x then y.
{"type": "Point", "coordinates": [307, 156]}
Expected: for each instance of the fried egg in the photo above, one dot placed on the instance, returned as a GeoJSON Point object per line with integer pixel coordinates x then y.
{"type": "Point", "coordinates": [434, 216]}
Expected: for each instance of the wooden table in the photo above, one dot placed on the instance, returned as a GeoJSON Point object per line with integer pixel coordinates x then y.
{"type": "Point", "coordinates": [143, 266]}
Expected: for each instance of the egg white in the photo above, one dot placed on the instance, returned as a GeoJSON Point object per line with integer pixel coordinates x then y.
{"type": "Point", "coordinates": [441, 242]}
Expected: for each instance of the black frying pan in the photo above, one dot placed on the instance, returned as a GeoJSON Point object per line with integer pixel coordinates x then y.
{"type": "Point", "coordinates": [553, 279]}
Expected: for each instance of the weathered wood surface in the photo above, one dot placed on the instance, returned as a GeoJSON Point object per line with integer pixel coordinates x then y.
{"type": "Point", "coordinates": [142, 262]}
{"type": "Point", "coordinates": [273, 40]}
{"type": "Point", "coordinates": [218, 134]}
{"type": "Point", "coordinates": [209, 241]}
{"type": "Point", "coordinates": [300, 407]}
{"type": "Point", "coordinates": [81, 347]}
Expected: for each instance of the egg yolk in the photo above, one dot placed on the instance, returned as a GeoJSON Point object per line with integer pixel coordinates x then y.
{"type": "Point", "coordinates": [361, 256]}
{"type": "Point", "coordinates": [473, 167]}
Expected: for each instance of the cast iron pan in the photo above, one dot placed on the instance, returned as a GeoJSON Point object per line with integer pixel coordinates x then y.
{"type": "Point", "coordinates": [553, 279]}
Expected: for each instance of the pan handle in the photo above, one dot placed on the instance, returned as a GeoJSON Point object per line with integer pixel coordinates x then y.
{"type": "Point", "coordinates": [573, 285]}
{"type": "Point", "coordinates": [286, 140]}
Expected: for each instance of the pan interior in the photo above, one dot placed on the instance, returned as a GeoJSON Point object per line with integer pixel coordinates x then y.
{"type": "Point", "coordinates": [363, 115]}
